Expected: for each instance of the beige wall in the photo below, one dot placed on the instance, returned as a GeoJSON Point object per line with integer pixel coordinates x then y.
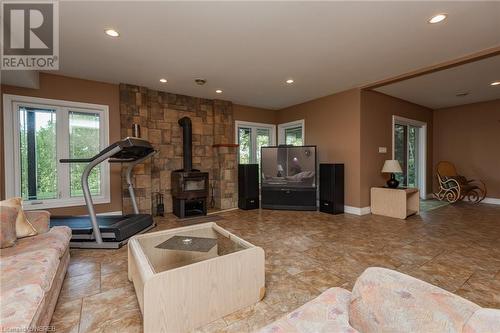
{"type": "Point", "coordinates": [376, 131]}
{"type": "Point", "coordinates": [256, 115]}
{"type": "Point", "coordinates": [333, 124]}
{"type": "Point", "coordinates": [78, 90]}
{"type": "Point", "coordinates": [469, 136]}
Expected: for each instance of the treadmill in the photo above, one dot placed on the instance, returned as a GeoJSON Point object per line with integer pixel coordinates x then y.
{"type": "Point", "coordinates": [108, 231]}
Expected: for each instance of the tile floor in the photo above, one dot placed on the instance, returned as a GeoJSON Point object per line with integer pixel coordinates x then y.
{"type": "Point", "coordinates": [456, 247]}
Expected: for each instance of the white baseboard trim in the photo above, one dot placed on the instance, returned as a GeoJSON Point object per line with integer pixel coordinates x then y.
{"type": "Point", "coordinates": [357, 210]}
{"type": "Point", "coordinates": [491, 201]}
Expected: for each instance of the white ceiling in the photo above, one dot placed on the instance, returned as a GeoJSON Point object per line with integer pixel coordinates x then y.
{"type": "Point", "coordinates": [248, 49]}
{"type": "Point", "coordinates": [439, 89]}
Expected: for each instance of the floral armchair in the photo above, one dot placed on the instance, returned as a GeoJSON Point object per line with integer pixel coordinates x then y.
{"type": "Point", "coordinates": [454, 187]}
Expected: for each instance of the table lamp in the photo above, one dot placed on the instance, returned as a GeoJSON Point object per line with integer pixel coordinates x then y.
{"type": "Point", "coordinates": [392, 167]}
{"type": "Point", "coordinates": [280, 171]}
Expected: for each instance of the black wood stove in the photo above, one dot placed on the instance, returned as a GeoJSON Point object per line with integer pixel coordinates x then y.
{"type": "Point", "coordinates": [189, 186]}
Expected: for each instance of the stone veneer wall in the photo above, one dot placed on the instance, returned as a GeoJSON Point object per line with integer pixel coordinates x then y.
{"type": "Point", "coordinates": [213, 134]}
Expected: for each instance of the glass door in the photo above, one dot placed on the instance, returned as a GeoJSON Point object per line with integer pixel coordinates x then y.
{"type": "Point", "coordinates": [250, 140]}
{"type": "Point", "coordinates": [406, 145]}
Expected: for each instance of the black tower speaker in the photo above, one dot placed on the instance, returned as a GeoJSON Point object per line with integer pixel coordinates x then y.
{"type": "Point", "coordinates": [331, 188]}
{"type": "Point", "coordinates": [248, 186]}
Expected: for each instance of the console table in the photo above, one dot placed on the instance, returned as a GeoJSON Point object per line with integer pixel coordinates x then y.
{"type": "Point", "coordinates": [395, 202]}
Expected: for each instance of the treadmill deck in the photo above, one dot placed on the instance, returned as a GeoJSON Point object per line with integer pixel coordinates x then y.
{"type": "Point", "coordinates": [114, 228]}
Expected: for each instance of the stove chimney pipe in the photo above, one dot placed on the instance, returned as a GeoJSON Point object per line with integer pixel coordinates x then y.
{"type": "Point", "coordinates": [187, 144]}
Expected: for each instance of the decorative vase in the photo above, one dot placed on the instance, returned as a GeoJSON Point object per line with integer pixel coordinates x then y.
{"type": "Point", "coordinates": [392, 183]}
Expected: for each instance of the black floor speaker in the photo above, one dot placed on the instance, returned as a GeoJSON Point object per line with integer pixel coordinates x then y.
{"type": "Point", "coordinates": [248, 186]}
{"type": "Point", "coordinates": [331, 188]}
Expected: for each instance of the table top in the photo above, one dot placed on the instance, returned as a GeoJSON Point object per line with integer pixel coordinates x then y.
{"type": "Point", "coordinates": [172, 248]}
{"type": "Point", "coordinates": [406, 189]}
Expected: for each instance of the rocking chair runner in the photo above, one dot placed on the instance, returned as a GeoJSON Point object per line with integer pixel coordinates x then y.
{"type": "Point", "coordinates": [454, 187]}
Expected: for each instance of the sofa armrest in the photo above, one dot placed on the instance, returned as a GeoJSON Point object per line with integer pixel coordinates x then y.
{"type": "Point", "coordinates": [39, 219]}
{"type": "Point", "coordinates": [384, 300]}
{"type": "Point", "coordinates": [326, 313]}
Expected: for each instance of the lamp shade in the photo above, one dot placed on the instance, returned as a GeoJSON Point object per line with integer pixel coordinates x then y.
{"type": "Point", "coordinates": [391, 166]}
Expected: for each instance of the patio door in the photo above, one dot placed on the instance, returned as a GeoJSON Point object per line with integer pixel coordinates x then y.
{"type": "Point", "coordinates": [409, 146]}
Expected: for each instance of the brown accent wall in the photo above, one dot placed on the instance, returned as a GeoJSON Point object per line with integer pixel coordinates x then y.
{"type": "Point", "coordinates": [78, 90]}
{"type": "Point", "coordinates": [333, 124]}
{"type": "Point", "coordinates": [469, 136]}
{"type": "Point", "coordinates": [256, 115]}
{"type": "Point", "coordinates": [376, 131]}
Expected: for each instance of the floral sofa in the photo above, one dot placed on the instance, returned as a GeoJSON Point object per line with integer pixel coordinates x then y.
{"type": "Point", "coordinates": [32, 270]}
{"type": "Point", "coordinates": [387, 301]}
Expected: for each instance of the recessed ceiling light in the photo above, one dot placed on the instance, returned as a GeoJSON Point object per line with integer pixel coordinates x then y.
{"type": "Point", "coordinates": [163, 80]}
{"type": "Point", "coordinates": [289, 81]}
{"type": "Point", "coordinates": [495, 83]}
{"type": "Point", "coordinates": [112, 32]}
{"type": "Point", "coordinates": [218, 91]}
{"type": "Point", "coordinates": [437, 18]}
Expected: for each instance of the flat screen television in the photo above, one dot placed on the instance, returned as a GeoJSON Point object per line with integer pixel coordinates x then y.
{"type": "Point", "coordinates": [288, 166]}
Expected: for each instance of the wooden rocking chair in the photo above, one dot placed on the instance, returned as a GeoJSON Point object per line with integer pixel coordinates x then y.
{"type": "Point", "coordinates": [454, 187]}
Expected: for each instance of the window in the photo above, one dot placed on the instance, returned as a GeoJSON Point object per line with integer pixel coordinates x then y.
{"type": "Point", "coordinates": [38, 133]}
{"type": "Point", "coordinates": [251, 137]}
{"type": "Point", "coordinates": [291, 133]}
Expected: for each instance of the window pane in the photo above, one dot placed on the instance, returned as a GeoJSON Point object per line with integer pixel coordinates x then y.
{"type": "Point", "coordinates": [400, 151]}
{"type": "Point", "coordinates": [84, 143]}
{"type": "Point", "coordinates": [412, 157]}
{"type": "Point", "coordinates": [263, 139]}
{"type": "Point", "coordinates": [38, 153]}
{"type": "Point", "coordinates": [293, 136]}
{"type": "Point", "coordinates": [244, 140]}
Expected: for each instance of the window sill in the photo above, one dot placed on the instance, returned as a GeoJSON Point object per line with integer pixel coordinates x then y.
{"type": "Point", "coordinates": [60, 203]}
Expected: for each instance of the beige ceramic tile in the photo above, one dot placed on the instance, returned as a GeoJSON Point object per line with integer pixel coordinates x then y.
{"type": "Point", "coordinates": [80, 286]}
{"type": "Point", "coordinates": [66, 318]}
{"type": "Point", "coordinates": [115, 310]}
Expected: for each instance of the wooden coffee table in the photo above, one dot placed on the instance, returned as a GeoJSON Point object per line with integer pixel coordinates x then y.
{"type": "Point", "coordinates": [180, 285]}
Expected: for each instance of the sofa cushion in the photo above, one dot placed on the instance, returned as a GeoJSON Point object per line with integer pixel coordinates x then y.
{"type": "Point", "coordinates": [23, 227]}
{"type": "Point", "coordinates": [326, 313]}
{"type": "Point", "coordinates": [19, 307]}
{"type": "Point", "coordinates": [388, 301]}
{"type": "Point", "coordinates": [39, 219]}
{"type": "Point", "coordinates": [8, 216]}
{"type": "Point", "coordinates": [483, 320]}
{"type": "Point", "coordinates": [57, 238]}
{"type": "Point", "coordinates": [34, 267]}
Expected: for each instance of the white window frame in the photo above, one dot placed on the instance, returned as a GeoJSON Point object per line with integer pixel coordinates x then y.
{"type": "Point", "coordinates": [12, 155]}
{"type": "Point", "coordinates": [422, 149]}
{"type": "Point", "coordinates": [291, 124]}
{"type": "Point", "coordinates": [254, 126]}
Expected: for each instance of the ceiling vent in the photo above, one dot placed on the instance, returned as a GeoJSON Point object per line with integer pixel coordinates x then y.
{"type": "Point", "coordinates": [200, 82]}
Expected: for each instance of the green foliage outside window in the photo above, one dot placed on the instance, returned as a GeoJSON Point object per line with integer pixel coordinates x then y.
{"type": "Point", "coordinates": [84, 143]}
{"type": "Point", "coordinates": [293, 136]}
{"type": "Point", "coordinates": [46, 154]}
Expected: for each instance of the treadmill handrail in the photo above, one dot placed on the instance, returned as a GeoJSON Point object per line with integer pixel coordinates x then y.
{"type": "Point", "coordinates": [130, 184]}
{"type": "Point", "coordinates": [122, 144]}
{"type": "Point", "coordinates": [76, 160]}
{"type": "Point", "coordinates": [88, 160]}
